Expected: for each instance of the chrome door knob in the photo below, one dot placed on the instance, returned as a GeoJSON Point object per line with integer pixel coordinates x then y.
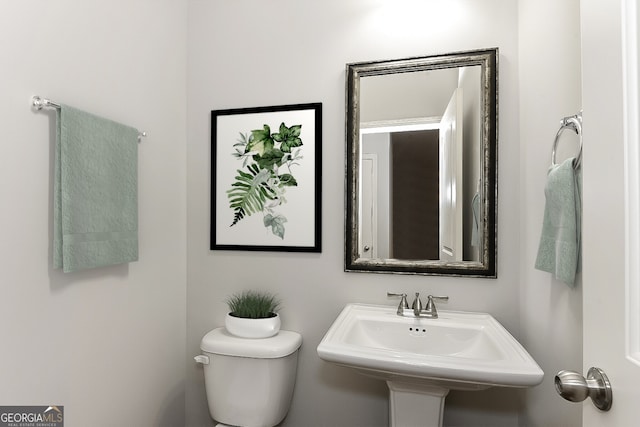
{"type": "Point", "coordinates": [366, 248]}
{"type": "Point", "coordinates": [574, 387]}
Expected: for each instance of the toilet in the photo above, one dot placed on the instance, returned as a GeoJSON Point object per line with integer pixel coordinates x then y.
{"type": "Point", "coordinates": [249, 381]}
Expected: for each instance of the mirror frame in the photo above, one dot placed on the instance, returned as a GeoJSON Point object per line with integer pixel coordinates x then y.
{"type": "Point", "coordinates": [487, 59]}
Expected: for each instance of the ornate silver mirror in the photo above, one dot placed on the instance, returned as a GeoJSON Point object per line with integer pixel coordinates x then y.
{"type": "Point", "coordinates": [421, 179]}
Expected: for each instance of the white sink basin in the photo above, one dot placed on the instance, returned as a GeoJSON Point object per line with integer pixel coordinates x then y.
{"type": "Point", "coordinates": [465, 350]}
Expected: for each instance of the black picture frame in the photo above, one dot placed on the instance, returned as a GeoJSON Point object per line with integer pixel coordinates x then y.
{"type": "Point", "coordinates": [266, 178]}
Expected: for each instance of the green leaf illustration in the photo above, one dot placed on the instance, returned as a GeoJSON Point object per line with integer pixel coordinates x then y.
{"type": "Point", "coordinates": [269, 158]}
{"type": "Point", "coordinates": [259, 187]}
{"type": "Point", "coordinates": [249, 192]}
{"type": "Point", "coordinates": [288, 180]}
{"type": "Point", "coordinates": [241, 147]}
{"type": "Point", "coordinates": [260, 140]}
{"type": "Point", "coordinates": [288, 137]}
{"type": "Point", "coordinates": [276, 223]}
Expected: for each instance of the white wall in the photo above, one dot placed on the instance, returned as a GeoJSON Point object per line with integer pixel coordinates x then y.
{"type": "Point", "coordinates": [108, 343]}
{"type": "Point", "coordinates": [551, 312]}
{"type": "Point", "coordinates": [246, 53]}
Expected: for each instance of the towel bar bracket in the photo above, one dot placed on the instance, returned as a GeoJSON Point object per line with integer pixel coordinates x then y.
{"type": "Point", "coordinates": [39, 103]}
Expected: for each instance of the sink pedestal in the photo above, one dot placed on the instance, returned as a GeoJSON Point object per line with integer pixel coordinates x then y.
{"type": "Point", "coordinates": [413, 405]}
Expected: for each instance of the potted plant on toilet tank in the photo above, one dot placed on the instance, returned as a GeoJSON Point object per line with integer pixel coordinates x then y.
{"type": "Point", "coordinates": [253, 314]}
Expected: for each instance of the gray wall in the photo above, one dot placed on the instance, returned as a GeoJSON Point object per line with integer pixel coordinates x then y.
{"type": "Point", "coordinates": [108, 342]}
{"type": "Point", "coordinates": [242, 54]}
{"type": "Point", "coordinates": [551, 312]}
{"type": "Point", "coordinates": [115, 337]}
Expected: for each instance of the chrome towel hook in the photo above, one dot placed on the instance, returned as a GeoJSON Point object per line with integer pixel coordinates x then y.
{"type": "Point", "coordinates": [574, 123]}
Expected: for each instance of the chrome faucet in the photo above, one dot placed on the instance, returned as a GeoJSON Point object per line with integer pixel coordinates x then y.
{"type": "Point", "coordinates": [417, 305]}
{"type": "Point", "coordinates": [429, 312]}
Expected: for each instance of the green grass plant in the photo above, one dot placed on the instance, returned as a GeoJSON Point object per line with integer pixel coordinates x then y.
{"type": "Point", "coordinates": [253, 304]}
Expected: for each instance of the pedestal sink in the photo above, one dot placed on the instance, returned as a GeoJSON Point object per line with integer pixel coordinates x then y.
{"type": "Point", "coordinates": [422, 359]}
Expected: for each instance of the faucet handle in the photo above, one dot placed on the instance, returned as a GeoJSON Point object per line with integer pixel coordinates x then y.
{"type": "Point", "coordinates": [403, 302]}
{"type": "Point", "coordinates": [430, 304]}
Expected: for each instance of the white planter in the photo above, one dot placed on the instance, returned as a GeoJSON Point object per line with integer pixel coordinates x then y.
{"type": "Point", "coordinates": [252, 328]}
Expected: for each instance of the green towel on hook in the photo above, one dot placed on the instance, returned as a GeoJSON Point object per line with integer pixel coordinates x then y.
{"type": "Point", "coordinates": [95, 212]}
{"type": "Point", "coordinates": [559, 250]}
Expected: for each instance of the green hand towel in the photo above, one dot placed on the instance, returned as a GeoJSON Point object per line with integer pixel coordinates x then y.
{"type": "Point", "coordinates": [95, 192]}
{"type": "Point", "coordinates": [559, 249]}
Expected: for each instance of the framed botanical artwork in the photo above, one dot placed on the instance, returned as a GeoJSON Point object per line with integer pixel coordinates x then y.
{"type": "Point", "coordinates": [266, 178]}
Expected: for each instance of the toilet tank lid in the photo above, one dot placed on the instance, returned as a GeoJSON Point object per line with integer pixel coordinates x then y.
{"type": "Point", "coordinates": [219, 341]}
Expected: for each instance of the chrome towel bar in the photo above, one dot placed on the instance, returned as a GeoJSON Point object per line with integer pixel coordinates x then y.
{"type": "Point", "coordinates": [39, 103]}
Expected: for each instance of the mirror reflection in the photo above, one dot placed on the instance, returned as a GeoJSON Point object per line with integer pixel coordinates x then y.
{"type": "Point", "coordinates": [421, 138]}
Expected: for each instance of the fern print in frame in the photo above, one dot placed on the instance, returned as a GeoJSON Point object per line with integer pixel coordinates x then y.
{"type": "Point", "coordinates": [266, 178]}
{"type": "Point", "coordinates": [261, 186]}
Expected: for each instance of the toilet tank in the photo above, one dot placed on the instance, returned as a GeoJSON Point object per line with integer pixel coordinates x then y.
{"type": "Point", "coordinates": [250, 382]}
